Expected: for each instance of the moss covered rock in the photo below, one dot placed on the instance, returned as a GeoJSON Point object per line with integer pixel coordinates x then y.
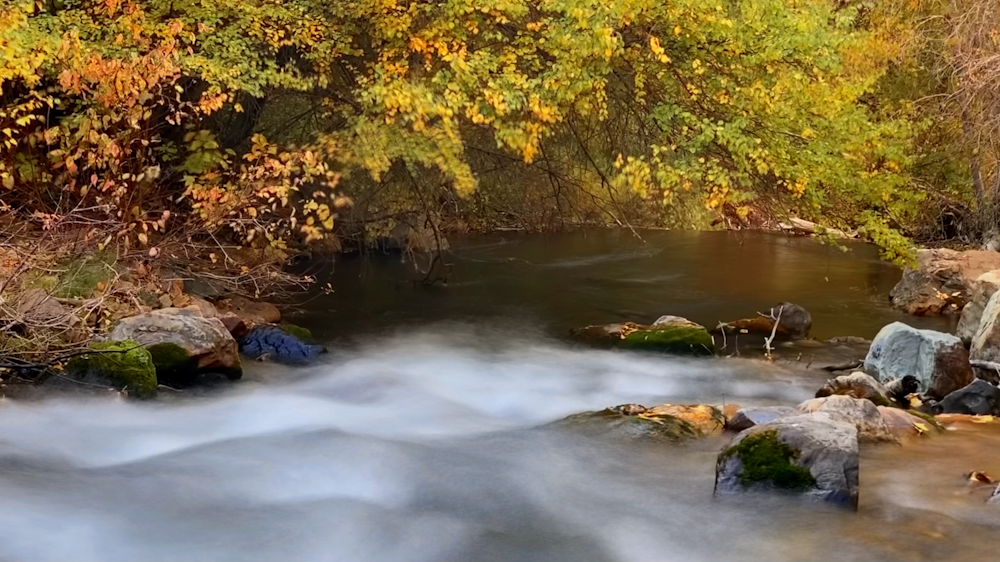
{"type": "Point", "coordinates": [813, 454]}
{"type": "Point", "coordinates": [120, 364]}
{"type": "Point", "coordinates": [671, 334]}
{"type": "Point", "coordinates": [630, 421]}
{"type": "Point", "coordinates": [299, 332]}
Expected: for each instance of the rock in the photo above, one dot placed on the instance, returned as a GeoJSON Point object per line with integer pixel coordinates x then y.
{"type": "Point", "coordinates": [942, 281]}
{"type": "Point", "coordinates": [274, 343]}
{"type": "Point", "coordinates": [858, 385]}
{"type": "Point", "coordinates": [119, 364]}
{"type": "Point", "coordinates": [299, 332]}
{"type": "Point", "coordinates": [811, 454]}
{"type": "Point", "coordinates": [201, 306]}
{"type": "Point", "coordinates": [995, 497]}
{"type": "Point", "coordinates": [860, 413]}
{"type": "Point", "coordinates": [165, 301]}
{"type": "Point", "coordinates": [794, 323]}
{"type": "Point", "coordinates": [978, 398]}
{"type": "Point", "coordinates": [746, 418]}
{"type": "Point", "coordinates": [251, 312]}
{"type": "Point", "coordinates": [182, 344]}
{"type": "Point", "coordinates": [234, 324]}
{"type": "Point", "coordinates": [905, 425]}
{"type": "Point", "coordinates": [707, 420]}
{"type": "Point", "coordinates": [982, 289]}
{"type": "Point", "coordinates": [629, 421]}
{"type": "Point", "coordinates": [939, 361]}
{"type": "Point", "coordinates": [671, 334]}
{"type": "Point", "coordinates": [985, 348]}
{"type": "Point", "coordinates": [36, 308]}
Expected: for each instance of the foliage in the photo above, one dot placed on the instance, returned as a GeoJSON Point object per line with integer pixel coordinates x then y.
{"type": "Point", "coordinates": [152, 116]}
{"type": "Point", "coordinates": [125, 364]}
{"type": "Point", "coordinates": [766, 459]}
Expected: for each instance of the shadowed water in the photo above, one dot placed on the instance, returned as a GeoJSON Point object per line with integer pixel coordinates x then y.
{"type": "Point", "coordinates": [423, 435]}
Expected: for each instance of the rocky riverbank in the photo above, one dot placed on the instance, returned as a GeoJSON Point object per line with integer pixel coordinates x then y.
{"type": "Point", "coordinates": [905, 385]}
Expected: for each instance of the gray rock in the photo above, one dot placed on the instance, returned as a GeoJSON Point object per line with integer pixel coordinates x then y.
{"type": "Point", "coordinates": [861, 413]}
{"type": "Point", "coordinates": [773, 455]}
{"type": "Point", "coordinates": [981, 291]}
{"type": "Point", "coordinates": [745, 418]}
{"type": "Point", "coordinates": [979, 398]}
{"type": "Point", "coordinates": [939, 361]}
{"type": "Point", "coordinates": [182, 343]}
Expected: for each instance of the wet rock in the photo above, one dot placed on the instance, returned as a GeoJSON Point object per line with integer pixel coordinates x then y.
{"type": "Point", "coordinates": [942, 282]}
{"type": "Point", "coordinates": [858, 385]}
{"type": "Point", "coordinates": [746, 418]}
{"type": "Point", "coordinates": [125, 365]}
{"type": "Point", "coordinates": [978, 398]}
{"type": "Point", "coordinates": [811, 454]}
{"type": "Point", "coordinates": [251, 312]}
{"type": "Point", "coordinates": [860, 413]}
{"type": "Point", "coordinates": [904, 425]}
{"type": "Point", "coordinates": [670, 334]}
{"type": "Point", "coordinates": [183, 344]}
{"type": "Point", "coordinates": [972, 313]}
{"type": "Point", "coordinates": [276, 344]}
{"type": "Point", "coordinates": [938, 361]}
{"type": "Point", "coordinates": [630, 421]}
{"type": "Point", "coordinates": [707, 420]}
{"type": "Point", "coordinates": [794, 323]}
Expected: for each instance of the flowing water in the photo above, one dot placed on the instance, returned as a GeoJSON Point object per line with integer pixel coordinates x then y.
{"type": "Point", "coordinates": [423, 435]}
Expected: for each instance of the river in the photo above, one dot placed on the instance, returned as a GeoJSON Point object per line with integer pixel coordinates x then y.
{"type": "Point", "coordinates": [422, 436]}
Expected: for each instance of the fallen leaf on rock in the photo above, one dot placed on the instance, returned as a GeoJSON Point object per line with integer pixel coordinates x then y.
{"type": "Point", "coordinates": [976, 476]}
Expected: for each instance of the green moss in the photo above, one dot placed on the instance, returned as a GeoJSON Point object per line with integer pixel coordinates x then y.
{"type": "Point", "coordinates": [299, 332]}
{"type": "Point", "coordinates": [80, 277]}
{"type": "Point", "coordinates": [693, 340]}
{"type": "Point", "coordinates": [927, 418]}
{"type": "Point", "coordinates": [766, 459]}
{"type": "Point", "coordinates": [124, 364]}
{"type": "Point", "coordinates": [173, 364]}
{"type": "Point", "coordinates": [614, 424]}
{"type": "Point", "coordinates": [880, 400]}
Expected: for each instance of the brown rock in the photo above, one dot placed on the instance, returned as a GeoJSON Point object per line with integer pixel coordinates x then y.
{"type": "Point", "coordinates": [862, 414]}
{"type": "Point", "coordinates": [904, 425]}
{"type": "Point", "coordinates": [236, 326]}
{"type": "Point", "coordinates": [942, 282]}
{"type": "Point", "coordinates": [166, 301]}
{"type": "Point", "coordinates": [251, 312]}
{"type": "Point", "coordinates": [707, 420]}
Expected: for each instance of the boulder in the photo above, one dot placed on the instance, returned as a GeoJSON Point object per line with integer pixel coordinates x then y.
{"type": "Point", "coordinates": [183, 344]}
{"type": "Point", "coordinates": [794, 323]}
{"type": "Point", "coordinates": [707, 420]}
{"type": "Point", "coordinates": [942, 281]}
{"type": "Point", "coordinates": [860, 413]}
{"type": "Point", "coordinates": [251, 312]}
{"type": "Point", "coordinates": [858, 385]}
{"type": "Point", "coordinates": [811, 454]}
{"type": "Point", "coordinates": [629, 421]}
{"type": "Point", "coordinates": [746, 418]}
{"type": "Point", "coordinates": [125, 365]}
{"type": "Point", "coordinates": [978, 398]}
{"type": "Point", "coordinates": [972, 313]}
{"type": "Point", "coordinates": [276, 344]}
{"type": "Point", "coordinates": [985, 345]}
{"type": "Point", "coordinates": [671, 334]}
{"type": "Point", "coordinates": [939, 361]}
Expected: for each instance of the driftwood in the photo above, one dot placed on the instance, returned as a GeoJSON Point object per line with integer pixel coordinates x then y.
{"type": "Point", "coordinates": [795, 224]}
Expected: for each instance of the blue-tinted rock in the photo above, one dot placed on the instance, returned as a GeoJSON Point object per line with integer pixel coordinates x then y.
{"type": "Point", "coordinates": [938, 361]}
{"type": "Point", "coordinates": [268, 341]}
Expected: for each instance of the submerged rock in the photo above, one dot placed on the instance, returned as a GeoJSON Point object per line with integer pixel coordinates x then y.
{"type": "Point", "coordinates": [811, 454]}
{"type": "Point", "coordinates": [630, 421]}
{"type": "Point", "coordinates": [978, 398]}
{"type": "Point", "coordinates": [746, 418]}
{"type": "Point", "coordinates": [125, 365]}
{"type": "Point", "coordinates": [942, 282]}
{"type": "Point", "coordinates": [939, 361]}
{"type": "Point", "coordinates": [671, 334]}
{"type": "Point", "coordinates": [182, 344]}
{"type": "Point", "coordinates": [277, 344]}
{"type": "Point", "coordinates": [861, 413]}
